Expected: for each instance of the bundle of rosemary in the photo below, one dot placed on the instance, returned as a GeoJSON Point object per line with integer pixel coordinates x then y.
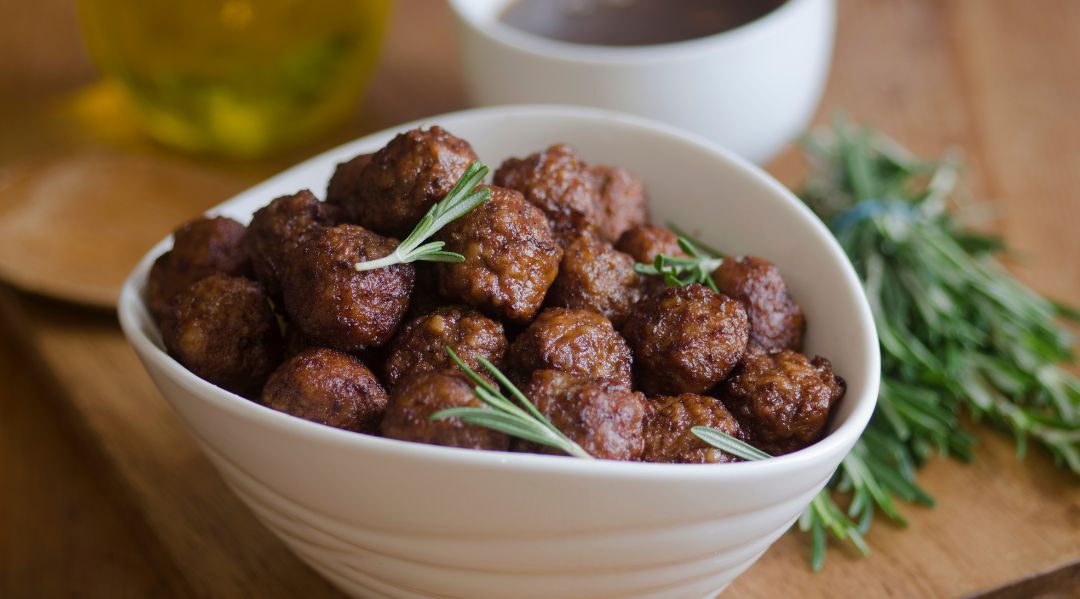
{"type": "Point", "coordinates": [959, 335]}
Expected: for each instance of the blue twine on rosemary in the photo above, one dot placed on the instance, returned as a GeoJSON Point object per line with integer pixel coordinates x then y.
{"type": "Point", "coordinates": [871, 208]}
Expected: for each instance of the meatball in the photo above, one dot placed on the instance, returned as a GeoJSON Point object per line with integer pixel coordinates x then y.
{"type": "Point", "coordinates": [328, 387]}
{"type": "Point", "coordinates": [510, 257]}
{"type": "Point", "coordinates": [403, 179]}
{"type": "Point", "coordinates": [781, 399]}
{"type": "Point", "coordinates": [557, 182]}
{"type": "Point", "coordinates": [605, 419]}
{"type": "Point", "coordinates": [200, 248]}
{"type": "Point", "coordinates": [223, 330]}
{"type": "Point", "coordinates": [276, 229]}
{"type": "Point", "coordinates": [620, 201]}
{"type": "Point", "coordinates": [667, 431]}
{"type": "Point", "coordinates": [579, 342]}
{"type": "Point", "coordinates": [334, 305]}
{"type": "Point", "coordinates": [418, 397]}
{"type": "Point", "coordinates": [420, 345]}
{"type": "Point", "coordinates": [685, 339]}
{"type": "Point", "coordinates": [646, 242]}
{"type": "Point", "coordinates": [594, 276]}
{"type": "Point", "coordinates": [344, 187]}
{"type": "Point", "coordinates": [776, 321]}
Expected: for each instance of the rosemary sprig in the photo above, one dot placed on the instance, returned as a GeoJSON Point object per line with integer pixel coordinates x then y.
{"type": "Point", "coordinates": [504, 415]}
{"type": "Point", "coordinates": [958, 333]}
{"type": "Point", "coordinates": [461, 200]}
{"type": "Point", "coordinates": [725, 442]}
{"type": "Point", "coordinates": [680, 272]}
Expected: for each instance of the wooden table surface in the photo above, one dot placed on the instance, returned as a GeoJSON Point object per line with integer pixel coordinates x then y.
{"type": "Point", "coordinates": [103, 493]}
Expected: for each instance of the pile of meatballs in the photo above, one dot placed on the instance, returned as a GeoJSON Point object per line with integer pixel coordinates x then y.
{"type": "Point", "coordinates": [621, 363]}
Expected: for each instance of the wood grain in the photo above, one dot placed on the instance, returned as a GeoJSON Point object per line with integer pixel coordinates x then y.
{"type": "Point", "coordinates": [996, 78]}
{"type": "Point", "coordinates": [61, 525]}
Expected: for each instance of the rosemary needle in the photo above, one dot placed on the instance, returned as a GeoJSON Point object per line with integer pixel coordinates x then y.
{"type": "Point", "coordinates": [523, 421]}
{"type": "Point", "coordinates": [726, 442]}
{"type": "Point", "coordinates": [680, 272]}
{"type": "Point", "coordinates": [461, 200]}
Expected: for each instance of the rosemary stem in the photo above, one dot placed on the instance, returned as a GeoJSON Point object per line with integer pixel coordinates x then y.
{"type": "Point", "coordinates": [387, 260]}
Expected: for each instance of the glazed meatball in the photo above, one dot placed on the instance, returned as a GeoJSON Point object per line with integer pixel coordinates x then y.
{"type": "Point", "coordinates": [334, 305]}
{"type": "Point", "coordinates": [594, 276]}
{"type": "Point", "coordinates": [579, 342]}
{"type": "Point", "coordinates": [667, 431]}
{"type": "Point", "coordinates": [685, 339]}
{"type": "Point", "coordinates": [620, 201]}
{"type": "Point", "coordinates": [402, 180]}
{"type": "Point", "coordinates": [418, 397]}
{"type": "Point", "coordinates": [420, 345]}
{"type": "Point", "coordinates": [781, 399]}
{"type": "Point", "coordinates": [510, 257]}
{"type": "Point", "coordinates": [776, 321]}
{"type": "Point", "coordinates": [276, 229]}
{"type": "Point", "coordinates": [200, 248]}
{"type": "Point", "coordinates": [646, 242]}
{"type": "Point", "coordinates": [328, 387]}
{"type": "Point", "coordinates": [557, 182]}
{"type": "Point", "coordinates": [223, 330]}
{"type": "Point", "coordinates": [344, 187]}
{"type": "Point", "coordinates": [605, 419]}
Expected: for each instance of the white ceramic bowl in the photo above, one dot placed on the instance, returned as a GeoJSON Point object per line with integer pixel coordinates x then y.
{"type": "Point", "coordinates": [385, 518]}
{"type": "Point", "coordinates": [751, 89]}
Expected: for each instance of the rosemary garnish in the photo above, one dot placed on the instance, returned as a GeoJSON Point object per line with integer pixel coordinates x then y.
{"type": "Point", "coordinates": [461, 200]}
{"type": "Point", "coordinates": [504, 415]}
{"type": "Point", "coordinates": [723, 441]}
{"type": "Point", "coordinates": [958, 333]}
{"type": "Point", "coordinates": [680, 272]}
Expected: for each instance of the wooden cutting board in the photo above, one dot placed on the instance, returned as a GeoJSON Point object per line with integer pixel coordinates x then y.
{"type": "Point", "coordinates": [996, 78]}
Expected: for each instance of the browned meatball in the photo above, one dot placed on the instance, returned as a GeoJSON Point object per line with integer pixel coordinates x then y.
{"type": "Point", "coordinates": [420, 345]}
{"type": "Point", "coordinates": [557, 182]}
{"type": "Point", "coordinates": [579, 342]}
{"type": "Point", "coordinates": [646, 242]}
{"type": "Point", "coordinates": [620, 200]}
{"type": "Point", "coordinates": [594, 276]}
{"type": "Point", "coordinates": [328, 387]}
{"type": "Point", "coordinates": [685, 339]}
{"type": "Point", "coordinates": [782, 399]}
{"type": "Point", "coordinates": [418, 397]}
{"type": "Point", "coordinates": [223, 330]}
{"type": "Point", "coordinates": [510, 257]}
{"type": "Point", "coordinates": [344, 187]}
{"type": "Point", "coordinates": [667, 431]}
{"type": "Point", "coordinates": [200, 248]}
{"type": "Point", "coordinates": [415, 170]}
{"type": "Point", "coordinates": [776, 321]}
{"type": "Point", "coordinates": [276, 229]}
{"type": "Point", "coordinates": [604, 418]}
{"type": "Point", "coordinates": [336, 306]}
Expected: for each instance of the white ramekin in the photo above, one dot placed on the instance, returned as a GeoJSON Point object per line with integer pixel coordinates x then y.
{"type": "Point", "coordinates": [751, 89]}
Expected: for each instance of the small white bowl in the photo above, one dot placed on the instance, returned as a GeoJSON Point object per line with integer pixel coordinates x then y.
{"type": "Point", "coordinates": [386, 518]}
{"type": "Point", "coordinates": [751, 89]}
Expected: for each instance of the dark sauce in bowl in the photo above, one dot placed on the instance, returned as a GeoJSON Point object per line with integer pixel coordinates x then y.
{"type": "Point", "coordinates": [632, 22]}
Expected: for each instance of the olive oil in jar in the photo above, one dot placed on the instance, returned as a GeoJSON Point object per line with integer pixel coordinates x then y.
{"type": "Point", "coordinates": [236, 77]}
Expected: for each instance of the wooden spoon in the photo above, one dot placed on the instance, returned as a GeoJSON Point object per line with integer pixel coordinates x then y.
{"type": "Point", "coordinates": [73, 228]}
